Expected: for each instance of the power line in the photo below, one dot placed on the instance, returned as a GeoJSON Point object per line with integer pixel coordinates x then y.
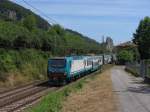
{"type": "Point", "coordinates": [52, 20]}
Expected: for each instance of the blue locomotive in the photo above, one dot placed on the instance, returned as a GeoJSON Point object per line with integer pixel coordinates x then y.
{"type": "Point", "coordinates": [65, 69]}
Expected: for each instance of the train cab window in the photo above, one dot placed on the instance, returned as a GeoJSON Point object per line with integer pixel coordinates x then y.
{"type": "Point", "coordinates": [58, 63]}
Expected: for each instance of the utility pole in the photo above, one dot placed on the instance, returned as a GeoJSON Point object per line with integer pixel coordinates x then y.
{"type": "Point", "coordinates": [103, 43]}
{"type": "Point", "coordinates": [103, 39]}
{"type": "Point", "coordinates": [103, 46]}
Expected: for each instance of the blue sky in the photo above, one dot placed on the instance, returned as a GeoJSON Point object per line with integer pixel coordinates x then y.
{"type": "Point", "coordinates": [95, 18]}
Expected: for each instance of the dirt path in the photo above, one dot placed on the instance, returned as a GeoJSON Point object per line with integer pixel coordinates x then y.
{"type": "Point", "coordinates": [96, 96]}
{"type": "Point", "coordinates": [134, 96]}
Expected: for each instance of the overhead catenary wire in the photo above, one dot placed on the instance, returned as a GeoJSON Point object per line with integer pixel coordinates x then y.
{"type": "Point", "coordinates": [42, 13]}
{"type": "Point", "coordinates": [53, 22]}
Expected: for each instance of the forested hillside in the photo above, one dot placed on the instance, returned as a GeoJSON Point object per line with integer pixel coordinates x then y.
{"type": "Point", "coordinates": [12, 12]}
{"type": "Point", "coordinates": [27, 41]}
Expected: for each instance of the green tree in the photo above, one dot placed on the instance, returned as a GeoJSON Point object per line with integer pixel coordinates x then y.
{"type": "Point", "coordinates": [142, 38]}
{"type": "Point", "coordinates": [125, 56]}
{"type": "Point", "coordinates": [57, 29]}
{"type": "Point", "coordinates": [29, 22]}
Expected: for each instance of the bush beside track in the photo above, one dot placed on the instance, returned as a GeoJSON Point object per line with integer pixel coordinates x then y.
{"type": "Point", "coordinates": [53, 101]}
{"type": "Point", "coordinates": [23, 66]}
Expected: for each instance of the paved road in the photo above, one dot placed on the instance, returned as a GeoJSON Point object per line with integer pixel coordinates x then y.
{"type": "Point", "coordinates": [133, 94]}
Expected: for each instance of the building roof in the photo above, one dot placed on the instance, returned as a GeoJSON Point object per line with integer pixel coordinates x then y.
{"type": "Point", "coordinates": [127, 44]}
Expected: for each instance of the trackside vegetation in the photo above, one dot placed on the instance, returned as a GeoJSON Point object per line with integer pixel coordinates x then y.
{"type": "Point", "coordinates": [53, 101]}
{"type": "Point", "coordinates": [22, 65]}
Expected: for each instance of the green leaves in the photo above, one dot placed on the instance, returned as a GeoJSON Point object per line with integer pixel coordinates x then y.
{"type": "Point", "coordinates": [27, 62]}
{"type": "Point", "coordinates": [125, 56]}
{"type": "Point", "coordinates": [142, 38]}
{"type": "Point", "coordinates": [57, 40]}
{"type": "Point", "coordinates": [29, 22]}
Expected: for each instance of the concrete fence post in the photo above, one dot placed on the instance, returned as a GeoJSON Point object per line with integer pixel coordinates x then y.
{"type": "Point", "coordinates": [142, 68]}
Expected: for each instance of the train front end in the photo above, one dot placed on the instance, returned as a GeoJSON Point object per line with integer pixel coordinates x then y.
{"type": "Point", "coordinates": [57, 70]}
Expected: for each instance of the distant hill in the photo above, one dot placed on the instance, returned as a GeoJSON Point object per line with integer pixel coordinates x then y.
{"type": "Point", "coordinates": [10, 11]}
{"type": "Point", "coordinates": [85, 37]}
{"type": "Point", "coordinates": [23, 25]}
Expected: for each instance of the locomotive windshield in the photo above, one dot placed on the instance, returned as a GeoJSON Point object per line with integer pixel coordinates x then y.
{"type": "Point", "coordinates": [57, 63]}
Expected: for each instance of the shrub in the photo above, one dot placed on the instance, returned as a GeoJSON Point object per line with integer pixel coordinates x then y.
{"type": "Point", "coordinates": [125, 56]}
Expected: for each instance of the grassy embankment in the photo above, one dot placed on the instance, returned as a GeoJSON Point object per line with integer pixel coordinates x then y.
{"type": "Point", "coordinates": [53, 102]}
{"type": "Point", "coordinates": [22, 66]}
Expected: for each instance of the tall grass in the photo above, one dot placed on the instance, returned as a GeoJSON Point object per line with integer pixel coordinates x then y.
{"type": "Point", "coordinates": [24, 64]}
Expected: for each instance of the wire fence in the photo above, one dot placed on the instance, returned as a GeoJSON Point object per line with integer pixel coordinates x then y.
{"type": "Point", "coordinates": [146, 65]}
{"type": "Point", "coordinates": [133, 67]}
{"type": "Point", "coordinates": [141, 69]}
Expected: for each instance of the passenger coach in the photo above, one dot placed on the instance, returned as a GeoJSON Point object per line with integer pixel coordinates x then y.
{"type": "Point", "coordinates": [65, 69]}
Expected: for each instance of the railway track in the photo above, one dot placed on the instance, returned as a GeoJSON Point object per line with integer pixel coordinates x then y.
{"type": "Point", "coordinates": [20, 98]}
{"type": "Point", "coordinates": [19, 89]}
{"type": "Point", "coordinates": [2, 90]}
